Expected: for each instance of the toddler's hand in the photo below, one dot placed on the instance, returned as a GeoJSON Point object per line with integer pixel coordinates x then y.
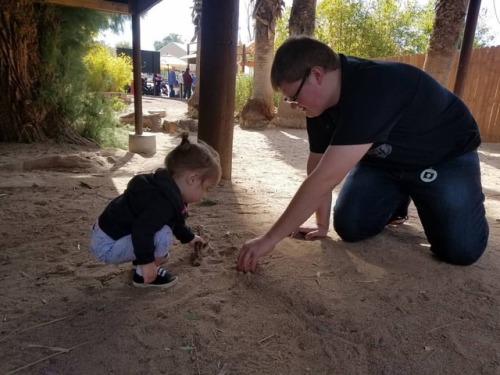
{"type": "Point", "coordinates": [195, 240]}
{"type": "Point", "coordinates": [148, 272]}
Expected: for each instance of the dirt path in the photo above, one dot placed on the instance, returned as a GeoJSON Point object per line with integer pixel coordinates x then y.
{"type": "Point", "coordinates": [383, 306]}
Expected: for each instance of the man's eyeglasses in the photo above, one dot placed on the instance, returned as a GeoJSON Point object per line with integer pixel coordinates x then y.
{"type": "Point", "coordinates": [293, 98]}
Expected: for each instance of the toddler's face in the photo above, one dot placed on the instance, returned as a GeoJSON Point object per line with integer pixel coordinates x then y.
{"type": "Point", "coordinates": [197, 190]}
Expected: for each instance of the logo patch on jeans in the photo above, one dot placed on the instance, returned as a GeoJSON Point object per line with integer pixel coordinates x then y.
{"type": "Point", "coordinates": [428, 175]}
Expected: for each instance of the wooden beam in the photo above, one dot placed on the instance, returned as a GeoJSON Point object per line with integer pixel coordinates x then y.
{"type": "Point", "coordinates": [136, 61]}
{"type": "Point", "coordinates": [219, 39]}
{"type": "Point", "coordinates": [123, 7]}
{"type": "Point", "coordinates": [144, 5]}
{"type": "Point", "coordinates": [467, 45]}
{"type": "Point", "coordinates": [103, 5]}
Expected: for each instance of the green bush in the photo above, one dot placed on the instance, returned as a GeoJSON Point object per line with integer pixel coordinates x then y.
{"type": "Point", "coordinates": [97, 120]}
{"type": "Point", "coordinates": [105, 71]}
{"type": "Point", "coordinates": [94, 115]}
{"type": "Point", "coordinates": [243, 91]}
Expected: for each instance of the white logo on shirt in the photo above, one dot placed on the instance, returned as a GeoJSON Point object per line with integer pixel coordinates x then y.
{"type": "Point", "coordinates": [428, 175]}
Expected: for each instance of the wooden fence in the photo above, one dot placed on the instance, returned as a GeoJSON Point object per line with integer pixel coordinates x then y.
{"type": "Point", "coordinates": [481, 89]}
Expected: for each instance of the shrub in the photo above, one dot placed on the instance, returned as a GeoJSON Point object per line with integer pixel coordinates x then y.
{"type": "Point", "coordinates": [105, 71]}
{"type": "Point", "coordinates": [243, 91]}
{"type": "Point", "coordinates": [97, 120]}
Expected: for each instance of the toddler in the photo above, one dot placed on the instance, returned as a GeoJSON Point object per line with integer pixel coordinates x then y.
{"type": "Point", "coordinates": [139, 225]}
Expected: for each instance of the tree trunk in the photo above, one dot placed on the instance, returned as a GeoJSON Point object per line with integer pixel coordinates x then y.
{"type": "Point", "coordinates": [24, 117]}
{"type": "Point", "coordinates": [302, 17]}
{"type": "Point", "coordinates": [259, 110]}
{"type": "Point", "coordinates": [19, 60]}
{"type": "Point", "coordinates": [448, 24]}
{"type": "Point", "coordinates": [302, 22]}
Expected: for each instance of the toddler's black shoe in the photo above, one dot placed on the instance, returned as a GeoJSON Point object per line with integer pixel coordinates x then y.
{"type": "Point", "coordinates": [163, 280]}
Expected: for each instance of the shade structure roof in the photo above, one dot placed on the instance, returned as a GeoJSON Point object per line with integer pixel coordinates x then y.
{"type": "Point", "coordinates": [115, 6]}
{"type": "Point", "coordinates": [190, 59]}
{"type": "Point", "coordinates": [172, 61]}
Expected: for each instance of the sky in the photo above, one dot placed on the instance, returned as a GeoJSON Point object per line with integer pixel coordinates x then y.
{"type": "Point", "coordinates": [174, 17]}
{"type": "Point", "coordinates": [169, 17]}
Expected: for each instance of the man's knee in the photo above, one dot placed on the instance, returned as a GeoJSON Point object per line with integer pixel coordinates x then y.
{"type": "Point", "coordinates": [460, 254]}
{"type": "Point", "coordinates": [354, 231]}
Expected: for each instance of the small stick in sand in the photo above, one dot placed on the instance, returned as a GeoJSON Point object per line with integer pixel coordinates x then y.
{"type": "Point", "coordinates": [266, 338]}
{"type": "Point", "coordinates": [197, 256]}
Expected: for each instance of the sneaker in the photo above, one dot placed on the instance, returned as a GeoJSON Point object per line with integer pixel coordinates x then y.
{"type": "Point", "coordinates": [397, 220]}
{"type": "Point", "coordinates": [163, 280]}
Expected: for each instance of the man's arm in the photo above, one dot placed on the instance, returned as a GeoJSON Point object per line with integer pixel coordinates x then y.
{"type": "Point", "coordinates": [330, 171]}
{"type": "Point", "coordinates": [324, 209]}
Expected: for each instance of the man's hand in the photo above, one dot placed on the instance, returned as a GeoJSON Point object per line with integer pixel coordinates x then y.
{"type": "Point", "coordinates": [148, 272]}
{"type": "Point", "coordinates": [251, 251]}
{"type": "Point", "coordinates": [310, 233]}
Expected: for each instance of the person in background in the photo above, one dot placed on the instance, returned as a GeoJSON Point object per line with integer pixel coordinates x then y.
{"type": "Point", "coordinates": [187, 80]}
{"type": "Point", "coordinates": [172, 81]}
{"type": "Point", "coordinates": [393, 133]}
{"type": "Point", "coordinates": [193, 76]}
{"type": "Point", "coordinates": [180, 79]}
{"type": "Point", "coordinates": [157, 78]}
{"type": "Point", "coordinates": [138, 226]}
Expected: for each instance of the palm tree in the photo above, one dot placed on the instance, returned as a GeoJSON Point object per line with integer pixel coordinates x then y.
{"type": "Point", "coordinates": [448, 24]}
{"type": "Point", "coordinates": [302, 17]}
{"type": "Point", "coordinates": [259, 110]}
{"type": "Point", "coordinates": [41, 51]}
{"type": "Point", "coordinates": [301, 22]}
{"type": "Point", "coordinates": [18, 62]}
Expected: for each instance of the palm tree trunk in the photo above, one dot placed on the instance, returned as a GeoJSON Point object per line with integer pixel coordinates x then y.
{"type": "Point", "coordinates": [18, 63]}
{"type": "Point", "coordinates": [259, 110]}
{"type": "Point", "coordinates": [448, 24]}
{"type": "Point", "coordinates": [24, 117]}
{"type": "Point", "coordinates": [302, 22]}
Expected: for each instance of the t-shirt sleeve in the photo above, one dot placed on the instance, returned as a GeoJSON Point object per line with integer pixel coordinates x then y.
{"type": "Point", "coordinates": [319, 133]}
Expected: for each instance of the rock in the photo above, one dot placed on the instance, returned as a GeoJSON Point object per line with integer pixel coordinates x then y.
{"type": "Point", "coordinates": [152, 122]}
{"type": "Point", "coordinates": [188, 124]}
{"type": "Point", "coordinates": [169, 126]}
{"type": "Point", "coordinates": [129, 118]}
{"type": "Point", "coordinates": [149, 121]}
{"type": "Point", "coordinates": [160, 112]}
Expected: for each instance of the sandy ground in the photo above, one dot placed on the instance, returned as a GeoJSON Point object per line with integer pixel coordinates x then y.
{"type": "Point", "coordinates": [383, 306]}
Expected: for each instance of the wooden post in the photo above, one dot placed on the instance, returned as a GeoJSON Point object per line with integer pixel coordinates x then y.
{"type": "Point", "coordinates": [467, 44]}
{"type": "Point", "coordinates": [219, 41]}
{"type": "Point", "coordinates": [137, 67]}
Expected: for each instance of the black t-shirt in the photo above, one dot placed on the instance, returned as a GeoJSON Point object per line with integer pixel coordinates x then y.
{"type": "Point", "coordinates": [409, 117]}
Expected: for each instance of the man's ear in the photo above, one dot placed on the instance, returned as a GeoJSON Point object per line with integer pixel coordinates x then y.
{"type": "Point", "coordinates": [318, 73]}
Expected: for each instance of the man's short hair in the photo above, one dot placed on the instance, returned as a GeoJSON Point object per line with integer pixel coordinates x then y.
{"type": "Point", "coordinates": [296, 55]}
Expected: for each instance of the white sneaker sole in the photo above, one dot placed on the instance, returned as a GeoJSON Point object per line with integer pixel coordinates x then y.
{"type": "Point", "coordinates": [163, 286]}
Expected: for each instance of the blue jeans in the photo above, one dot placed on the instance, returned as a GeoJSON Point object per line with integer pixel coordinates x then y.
{"type": "Point", "coordinates": [448, 198]}
{"type": "Point", "coordinates": [107, 250]}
